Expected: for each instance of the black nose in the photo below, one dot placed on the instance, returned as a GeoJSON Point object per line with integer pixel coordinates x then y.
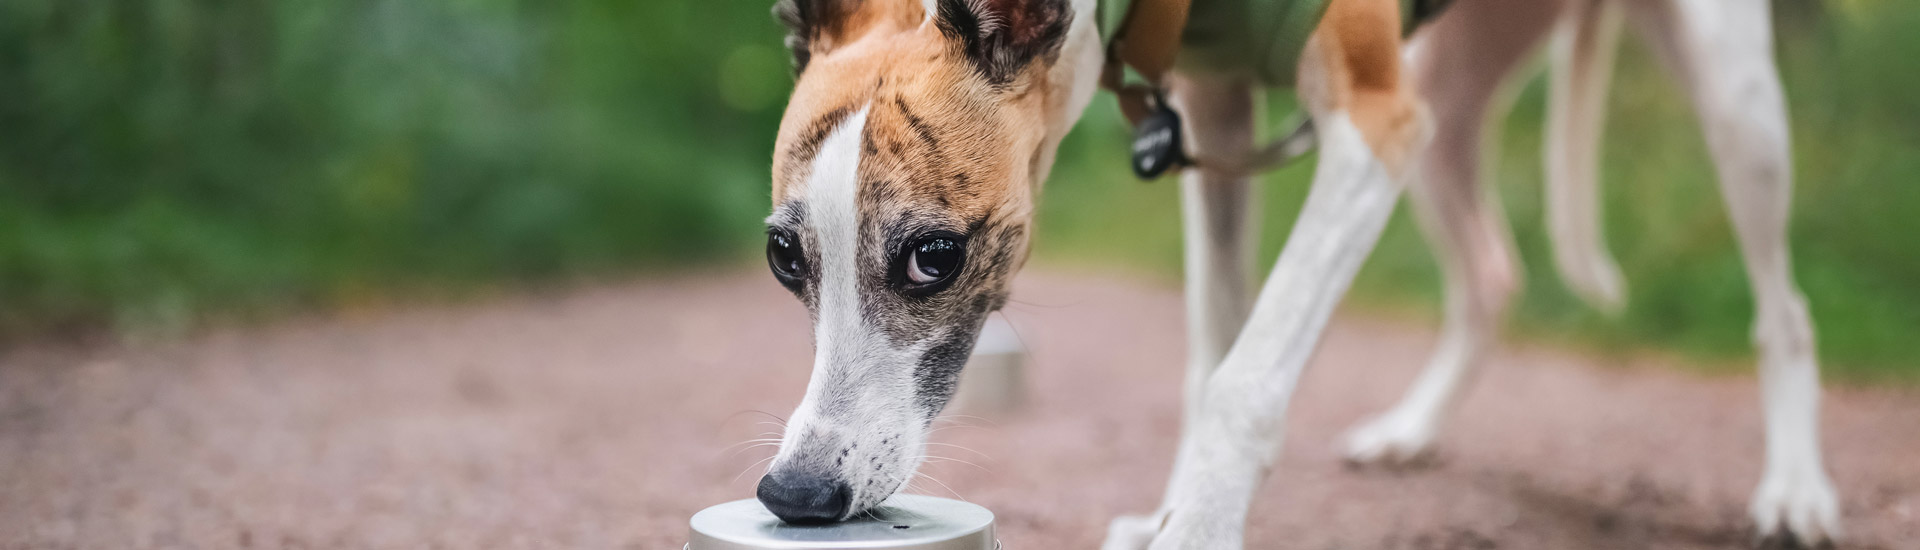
{"type": "Point", "coordinates": [805, 499]}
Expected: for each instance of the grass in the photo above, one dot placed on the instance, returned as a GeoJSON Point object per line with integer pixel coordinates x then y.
{"type": "Point", "coordinates": [167, 163]}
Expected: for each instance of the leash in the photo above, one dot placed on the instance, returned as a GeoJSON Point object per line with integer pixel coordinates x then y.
{"type": "Point", "coordinates": [1146, 43]}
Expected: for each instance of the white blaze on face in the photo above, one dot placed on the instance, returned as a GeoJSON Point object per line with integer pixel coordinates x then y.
{"type": "Point", "coordinates": [857, 421]}
{"type": "Point", "coordinates": [833, 210]}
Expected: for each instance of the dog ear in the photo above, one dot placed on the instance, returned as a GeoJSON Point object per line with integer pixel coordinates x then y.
{"type": "Point", "coordinates": [813, 26]}
{"type": "Point", "coordinates": [1001, 37]}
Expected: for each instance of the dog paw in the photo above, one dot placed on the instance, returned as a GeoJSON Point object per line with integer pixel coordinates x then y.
{"type": "Point", "coordinates": [1133, 532]}
{"type": "Point", "coordinates": [1199, 530]}
{"type": "Point", "coordinates": [1389, 440]}
{"type": "Point", "coordinates": [1796, 510]}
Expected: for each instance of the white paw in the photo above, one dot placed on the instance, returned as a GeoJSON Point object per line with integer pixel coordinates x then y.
{"type": "Point", "coordinates": [1132, 532]}
{"type": "Point", "coordinates": [1389, 440]}
{"type": "Point", "coordinates": [1796, 508]}
{"type": "Point", "coordinates": [1199, 530]}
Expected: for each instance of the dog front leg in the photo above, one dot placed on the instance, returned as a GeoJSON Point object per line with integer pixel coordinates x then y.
{"type": "Point", "coordinates": [1241, 422]}
{"type": "Point", "coordinates": [1217, 219]}
{"type": "Point", "coordinates": [1220, 229]}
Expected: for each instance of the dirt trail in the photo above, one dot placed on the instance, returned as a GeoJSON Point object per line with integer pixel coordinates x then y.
{"type": "Point", "coordinates": [602, 419]}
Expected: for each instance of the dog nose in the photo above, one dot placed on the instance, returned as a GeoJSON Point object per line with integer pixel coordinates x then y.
{"type": "Point", "coordinates": [805, 499]}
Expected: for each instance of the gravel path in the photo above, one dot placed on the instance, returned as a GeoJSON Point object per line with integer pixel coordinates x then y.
{"type": "Point", "coordinates": [601, 418]}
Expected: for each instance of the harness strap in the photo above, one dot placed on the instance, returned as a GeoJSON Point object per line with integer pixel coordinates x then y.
{"type": "Point", "coordinates": [1147, 41]}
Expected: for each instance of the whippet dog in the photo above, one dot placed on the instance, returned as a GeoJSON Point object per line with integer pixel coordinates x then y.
{"type": "Point", "coordinates": [919, 131]}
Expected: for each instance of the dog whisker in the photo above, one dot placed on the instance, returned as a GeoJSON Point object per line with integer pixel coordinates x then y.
{"type": "Point", "coordinates": [760, 440]}
{"type": "Point", "coordinates": [782, 422]}
{"type": "Point", "coordinates": [944, 428]}
{"type": "Point", "coordinates": [736, 477]}
{"type": "Point", "coordinates": [943, 485]}
{"type": "Point", "coordinates": [959, 419]}
{"type": "Point", "coordinates": [963, 448]}
{"type": "Point", "coordinates": [1026, 303]}
{"type": "Point", "coordinates": [946, 459]}
{"type": "Point", "coordinates": [755, 446]}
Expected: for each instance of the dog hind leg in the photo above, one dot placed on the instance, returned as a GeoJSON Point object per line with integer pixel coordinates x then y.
{"type": "Point", "coordinates": [1723, 54]}
{"type": "Point", "coordinates": [1460, 64]}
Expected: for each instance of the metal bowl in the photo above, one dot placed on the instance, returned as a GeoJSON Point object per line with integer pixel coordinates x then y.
{"type": "Point", "coordinates": [904, 522]}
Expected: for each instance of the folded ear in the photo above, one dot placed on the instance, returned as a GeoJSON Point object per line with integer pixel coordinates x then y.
{"type": "Point", "coordinates": [814, 26]}
{"type": "Point", "coordinates": [1002, 37]}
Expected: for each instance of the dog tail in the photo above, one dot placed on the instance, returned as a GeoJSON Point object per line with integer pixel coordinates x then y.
{"type": "Point", "coordinates": [1581, 68]}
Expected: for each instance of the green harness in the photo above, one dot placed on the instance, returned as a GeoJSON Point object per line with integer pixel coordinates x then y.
{"type": "Point", "coordinates": [1258, 39]}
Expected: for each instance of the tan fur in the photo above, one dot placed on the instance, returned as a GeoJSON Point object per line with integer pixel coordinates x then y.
{"type": "Point", "coordinates": [939, 142]}
{"type": "Point", "coordinates": [1352, 64]}
{"type": "Point", "coordinates": [884, 50]}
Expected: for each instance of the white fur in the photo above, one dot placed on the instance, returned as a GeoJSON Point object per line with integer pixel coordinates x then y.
{"type": "Point", "coordinates": [860, 397]}
{"type": "Point", "coordinates": [1582, 51]}
{"type": "Point", "coordinates": [1721, 49]}
{"type": "Point", "coordinates": [1218, 219]}
{"type": "Point", "coordinates": [833, 211]}
{"type": "Point", "coordinates": [1243, 417]}
{"type": "Point", "coordinates": [831, 195]}
{"type": "Point", "coordinates": [1723, 52]}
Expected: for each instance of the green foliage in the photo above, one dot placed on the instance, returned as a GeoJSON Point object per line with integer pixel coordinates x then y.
{"type": "Point", "coordinates": [166, 160]}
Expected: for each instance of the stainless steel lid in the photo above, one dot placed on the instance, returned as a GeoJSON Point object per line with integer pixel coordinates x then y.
{"type": "Point", "coordinates": [904, 522]}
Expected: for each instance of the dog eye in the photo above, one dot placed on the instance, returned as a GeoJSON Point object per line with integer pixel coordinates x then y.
{"type": "Point", "coordinates": [932, 261]}
{"type": "Point", "coordinates": [785, 257]}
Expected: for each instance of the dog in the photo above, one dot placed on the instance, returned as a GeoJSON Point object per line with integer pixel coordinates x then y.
{"type": "Point", "coordinates": [919, 132]}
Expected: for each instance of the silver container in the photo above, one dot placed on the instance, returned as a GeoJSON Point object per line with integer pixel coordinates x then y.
{"type": "Point", "coordinates": [904, 522]}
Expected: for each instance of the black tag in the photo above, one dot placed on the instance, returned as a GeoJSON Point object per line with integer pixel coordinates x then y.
{"type": "Point", "coordinates": [1156, 143]}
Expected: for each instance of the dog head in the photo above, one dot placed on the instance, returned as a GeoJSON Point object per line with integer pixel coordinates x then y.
{"type": "Point", "coordinates": [904, 177]}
